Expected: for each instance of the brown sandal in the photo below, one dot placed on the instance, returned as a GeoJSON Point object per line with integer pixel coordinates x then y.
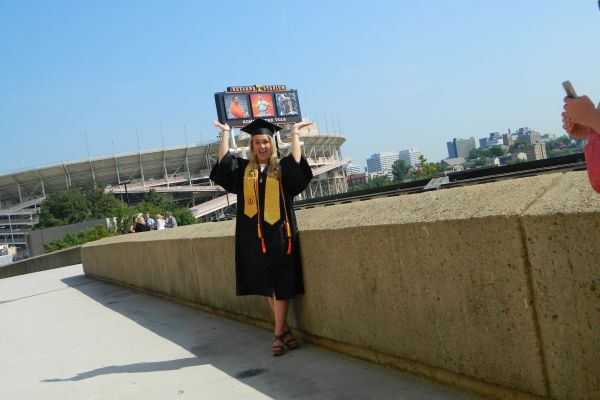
{"type": "Point", "coordinates": [289, 340]}
{"type": "Point", "coordinates": [277, 349]}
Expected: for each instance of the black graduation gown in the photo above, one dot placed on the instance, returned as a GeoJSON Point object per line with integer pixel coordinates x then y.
{"type": "Point", "coordinates": [275, 271]}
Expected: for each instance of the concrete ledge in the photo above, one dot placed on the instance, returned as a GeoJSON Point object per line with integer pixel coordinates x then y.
{"type": "Point", "coordinates": [57, 259]}
{"type": "Point", "coordinates": [489, 288]}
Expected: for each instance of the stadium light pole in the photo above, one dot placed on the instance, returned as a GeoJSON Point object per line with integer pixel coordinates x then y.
{"type": "Point", "coordinates": [126, 193]}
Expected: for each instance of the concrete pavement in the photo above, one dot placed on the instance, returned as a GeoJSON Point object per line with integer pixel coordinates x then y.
{"type": "Point", "coordinates": [65, 336]}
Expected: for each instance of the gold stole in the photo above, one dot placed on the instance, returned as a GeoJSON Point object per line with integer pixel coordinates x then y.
{"type": "Point", "coordinates": [272, 213]}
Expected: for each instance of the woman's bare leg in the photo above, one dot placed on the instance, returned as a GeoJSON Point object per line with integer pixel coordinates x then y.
{"type": "Point", "coordinates": [280, 310]}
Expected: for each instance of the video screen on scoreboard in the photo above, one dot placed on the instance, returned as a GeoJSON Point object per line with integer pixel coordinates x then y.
{"type": "Point", "coordinates": [262, 105]}
{"type": "Point", "coordinates": [236, 106]}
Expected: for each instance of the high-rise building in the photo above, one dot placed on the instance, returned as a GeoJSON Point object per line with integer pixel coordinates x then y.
{"type": "Point", "coordinates": [460, 147]}
{"type": "Point", "coordinates": [529, 136]}
{"type": "Point", "coordinates": [410, 156]}
{"type": "Point", "coordinates": [451, 149]}
{"type": "Point", "coordinates": [381, 162]}
{"type": "Point", "coordinates": [493, 139]}
{"type": "Point", "coordinates": [464, 146]}
{"type": "Point", "coordinates": [536, 152]}
{"type": "Point", "coordinates": [352, 169]}
{"type": "Point", "coordinates": [374, 163]}
{"type": "Point", "coordinates": [387, 160]}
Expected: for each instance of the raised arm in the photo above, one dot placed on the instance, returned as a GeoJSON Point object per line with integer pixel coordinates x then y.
{"type": "Point", "coordinates": [225, 132]}
{"type": "Point", "coordinates": [296, 150]}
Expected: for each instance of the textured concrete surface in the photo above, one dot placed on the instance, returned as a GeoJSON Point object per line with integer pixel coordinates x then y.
{"type": "Point", "coordinates": [433, 298]}
{"type": "Point", "coordinates": [44, 262]}
{"type": "Point", "coordinates": [563, 243]}
{"type": "Point", "coordinates": [484, 287]}
{"type": "Point", "coordinates": [65, 336]}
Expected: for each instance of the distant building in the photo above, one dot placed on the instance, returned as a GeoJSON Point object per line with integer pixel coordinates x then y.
{"type": "Point", "coordinates": [529, 136]}
{"type": "Point", "coordinates": [352, 169]}
{"type": "Point", "coordinates": [381, 163]}
{"type": "Point", "coordinates": [460, 147]}
{"type": "Point", "coordinates": [374, 163]}
{"type": "Point", "coordinates": [523, 131]}
{"type": "Point", "coordinates": [356, 180]}
{"type": "Point", "coordinates": [410, 157]}
{"type": "Point", "coordinates": [451, 149]}
{"type": "Point", "coordinates": [494, 139]}
{"type": "Point", "coordinates": [536, 152]}
{"type": "Point", "coordinates": [455, 164]}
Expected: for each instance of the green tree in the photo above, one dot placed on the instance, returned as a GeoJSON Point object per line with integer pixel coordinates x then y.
{"type": "Point", "coordinates": [154, 203]}
{"type": "Point", "coordinates": [488, 152]}
{"type": "Point", "coordinates": [426, 169]}
{"type": "Point", "coordinates": [481, 162]}
{"type": "Point", "coordinates": [475, 154]}
{"type": "Point", "coordinates": [519, 146]}
{"type": "Point", "coordinates": [400, 170]}
{"type": "Point", "coordinates": [91, 202]}
{"type": "Point", "coordinates": [124, 216]}
{"type": "Point", "coordinates": [63, 208]}
{"type": "Point", "coordinates": [378, 181]}
{"type": "Point", "coordinates": [564, 145]}
{"type": "Point", "coordinates": [100, 204]}
{"type": "Point", "coordinates": [152, 197]}
{"type": "Point", "coordinates": [76, 239]}
{"type": "Point", "coordinates": [76, 205]}
{"type": "Point", "coordinates": [497, 151]}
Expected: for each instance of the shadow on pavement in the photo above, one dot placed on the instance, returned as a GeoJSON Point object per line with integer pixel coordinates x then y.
{"type": "Point", "coordinates": [244, 353]}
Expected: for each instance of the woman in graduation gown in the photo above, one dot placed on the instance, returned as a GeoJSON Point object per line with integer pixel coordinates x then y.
{"type": "Point", "coordinates": [267, 258]}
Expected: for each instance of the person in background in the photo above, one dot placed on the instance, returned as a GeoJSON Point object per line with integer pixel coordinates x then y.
{"type": "Point", "coordinates": [140, 224]}
{"type": "Point", "coordinates": [149, 221]}
{"type": "Point", "coordinates": [160, 222]}
{"type": "Point", "coordinates": [170, 222]}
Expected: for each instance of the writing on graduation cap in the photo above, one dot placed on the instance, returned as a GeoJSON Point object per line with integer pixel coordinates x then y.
{"type": "Point", "coordinates": [256, 88]}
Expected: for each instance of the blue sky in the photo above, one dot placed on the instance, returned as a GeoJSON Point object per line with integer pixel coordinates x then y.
{"type": "Point", "coordinates": [396, 74]}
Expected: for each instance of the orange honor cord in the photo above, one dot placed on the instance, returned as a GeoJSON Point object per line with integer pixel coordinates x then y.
{"type": "Point", "coordinates": [286, 225]}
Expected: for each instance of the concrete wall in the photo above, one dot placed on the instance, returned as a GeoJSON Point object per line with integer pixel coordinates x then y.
{"type": "Point", "coordinates": [57, 259]}
{"type": "Point", "coordinates": [36, 240]}
{"type": "Point", "coordinates": [490, 288]}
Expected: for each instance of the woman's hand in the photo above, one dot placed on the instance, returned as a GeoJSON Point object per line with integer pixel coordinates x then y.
{"type": "Point", "coordinates": [579, 116]}
{"type": "Point", "coordinates": [220, 126]}
{"type": "Point", "coordinates": [577, 131]}
{"type": "Point", "coordinates": [296, 127]}
{"type": "Point", "coordinates": [580, 110]}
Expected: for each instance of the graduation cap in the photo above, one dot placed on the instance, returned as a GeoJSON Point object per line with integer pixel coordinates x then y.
{"type": "Point", "coordinates": [261, 127]}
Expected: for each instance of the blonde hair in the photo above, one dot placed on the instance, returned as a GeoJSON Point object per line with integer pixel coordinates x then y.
{"type": "Point", "coordinates": [273, 168]}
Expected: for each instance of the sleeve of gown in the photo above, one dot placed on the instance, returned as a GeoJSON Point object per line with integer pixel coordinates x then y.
{"type": "Point", "coordinates": [296, 176]}
{"type": "Point", "coordinates": [226, 173]}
